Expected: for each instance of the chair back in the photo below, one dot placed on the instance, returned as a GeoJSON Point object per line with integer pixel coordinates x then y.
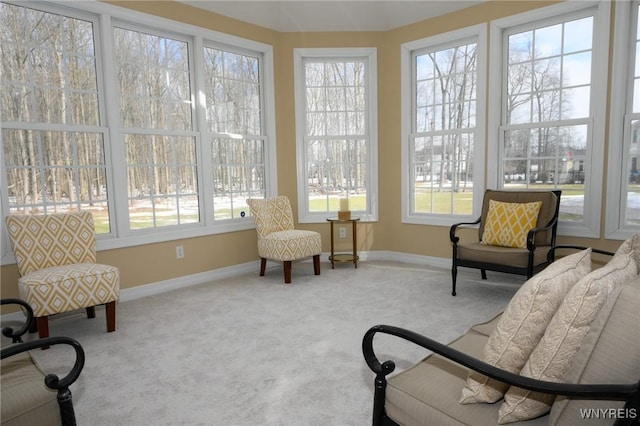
{"type": "Point", "coordinates": [60, 239]}
{"type": "Point", "coordinates": [548, 211]}
{"type": "Point", "coordinates": [271, 214]}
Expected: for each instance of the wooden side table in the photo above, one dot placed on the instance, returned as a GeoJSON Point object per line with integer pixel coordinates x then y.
{"type": "Point", "coordinates": [344, 257]}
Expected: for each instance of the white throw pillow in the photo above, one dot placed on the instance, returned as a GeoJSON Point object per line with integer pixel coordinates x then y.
{"type": "Point", "coordinates": [552, 357]}
{"type": "Point", "coordinates": [630, 246]}
{"type": "Point", "coordinates": [523, 323]}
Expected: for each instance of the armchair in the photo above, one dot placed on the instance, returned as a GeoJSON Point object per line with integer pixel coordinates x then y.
{"type": "Point", "coordinates": [56, 258]}
{"type": "Point", "coordinates": [29, 397]}
{"type": "Point", "coordinates": [528, 258]}
{"type": "Point", "coordinates": [277, 238]}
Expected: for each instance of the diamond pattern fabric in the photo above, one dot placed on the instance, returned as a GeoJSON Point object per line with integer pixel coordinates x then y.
{"type": "Point", "coordinates": [277, 239]}
{"type": "Point", "coordinates": [54, 240]}
{"type": "Point", "coordinates": [56, 259]}
{"type": "Point", "coordinates": [508, 224]}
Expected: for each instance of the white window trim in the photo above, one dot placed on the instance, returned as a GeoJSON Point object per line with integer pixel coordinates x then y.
{"type": "Point", "coordinates": [590, 227]}
{"type": "Point", "coordinates": [621, 96]}
{"type": "Point", "coordinates": [123, 237]}
{"type": "Point", "coordinates": [304, 216]}
{"type": "Point", "coordinates": [477, 33]}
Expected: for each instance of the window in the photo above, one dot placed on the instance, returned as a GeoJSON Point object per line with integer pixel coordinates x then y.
{"type": "Point", "coordinates": [160, 129]}
{"type": "Point", "coordinates": [159, 142]}
{"type": "Point", "coordinates": [234, 120]}
{"type": "Point", "coordinates": [53, 141]}
{"type": "Point", "coordinates": [336, 131]}
{"type": "Point", "coordinates": [551, 131]}
{"type": "Point", "coordinates": [623, 190]}
{"type": "Point", "coordinates": [443, 178]}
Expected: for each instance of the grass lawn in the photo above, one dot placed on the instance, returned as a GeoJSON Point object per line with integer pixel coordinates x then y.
{"type": "Point", "coordinates": [426, 201]}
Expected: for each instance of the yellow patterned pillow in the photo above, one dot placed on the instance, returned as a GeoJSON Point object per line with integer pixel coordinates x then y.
{"type": "Point", "coordinates": [508, 224]}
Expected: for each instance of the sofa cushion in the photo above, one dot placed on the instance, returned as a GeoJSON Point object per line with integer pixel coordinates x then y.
{"type": "Point", "coordinates": [552, 357]}
{"type": "Point", "coordinates": [25, 398]}
{"type": "Point", "coordinates": [486, 328]}
{"type": "Point", "coordinates": [610, 353]}
{"type": "Point", "coordinates": [427, 393]}
{"type": "Point", "coordinates": [523, 324]}
{"type": "Point", "coordinates": [507, 224]}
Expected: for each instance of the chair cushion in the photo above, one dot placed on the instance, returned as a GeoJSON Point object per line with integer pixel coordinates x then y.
{"type": "Point", "coordinates": [65, 288]}
{"type": "Point", "coordinates": [289, 245]}
{"type": "Point", "coordinates": [547, 210]}
{"type": "Point", "coordinates": [428, 393]}
{"type": "Point", "coordinates": [507, 224]}
{"type": "Point", "coordinates": [484, 253]}
{"type": "Point", "coordinates": [523, 324]}
{"type": "Point", "coordinates": [610, 353]}
{"type": "Point", "coordinates": [552, 357]}
{"type": "Point", "coordinates": [25, 398]}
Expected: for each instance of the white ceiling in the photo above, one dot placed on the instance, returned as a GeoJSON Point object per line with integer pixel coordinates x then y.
{"type": "Point", "coordinates": [332, 15]}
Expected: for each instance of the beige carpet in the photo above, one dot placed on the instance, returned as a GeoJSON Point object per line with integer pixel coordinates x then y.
{"type": "Point", "coordinates": [251, 350]}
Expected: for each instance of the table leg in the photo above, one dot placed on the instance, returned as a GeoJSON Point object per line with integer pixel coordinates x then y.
{"type": "Point", "coordinates": [355, 243]}
{"type": "Point", "coordinates": [332, 254]}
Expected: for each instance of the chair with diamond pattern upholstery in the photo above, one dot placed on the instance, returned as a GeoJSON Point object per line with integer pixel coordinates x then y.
{"type": "Point", "coordinates": [277, 238]}
{"type": "Point", "coordinates": [56, 259]}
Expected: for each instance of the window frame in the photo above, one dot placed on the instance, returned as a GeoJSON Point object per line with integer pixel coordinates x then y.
{"type": "Point", "coordinates": [107, 16]}
{"type": "Point", "coordinates": [625, 17]}
{"type": "Point", "coordinates": [477, 34]}
{"type": "Point", "coordinates": [590, 226]}
{"type": "Point", "coordinates": [369, 54]}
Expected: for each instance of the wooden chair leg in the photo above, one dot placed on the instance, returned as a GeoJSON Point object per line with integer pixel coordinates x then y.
{"type": "Point", "coordinates": [43, 328]}
{"type": "Point", "coordinates": [287, 271]}
{"type": "Point", "coordinates": [111, 316]}
{"type": "Point", "coordinates": [263, 266]}
{"type": "Point", "coordinates": [316, 264]}
{"type": "Point", "coordinates": [91, 312]}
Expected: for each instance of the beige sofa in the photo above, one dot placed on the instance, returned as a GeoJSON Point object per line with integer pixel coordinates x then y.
{"type": "Point", "coordinates": [429, 393]}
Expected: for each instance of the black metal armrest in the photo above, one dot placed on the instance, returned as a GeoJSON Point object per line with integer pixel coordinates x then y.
{"type": "Point", "coordinates": [16, 336]}
{"type": "Point", "coordinates": [628, 392]}
{"type": "Point", "coordinates": [552, 252]}
{"type": "Point", "coordinates": [531, 235]}
{"type": "Point", "coordinates": [51, 380]}
{"type": "Point", "coordinates": [452, 231]}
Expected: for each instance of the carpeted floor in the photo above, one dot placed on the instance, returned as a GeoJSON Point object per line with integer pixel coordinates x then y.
{"type": "Point", "coordinates": [251, 350]}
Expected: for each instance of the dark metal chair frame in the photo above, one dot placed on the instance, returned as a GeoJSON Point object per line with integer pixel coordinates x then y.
{"type": "Point", "coordinates": [630, 393]}
{"type": "Point", "coordinates": [527, 271]}
{"type": "Point", "coordinates": [52, 381]}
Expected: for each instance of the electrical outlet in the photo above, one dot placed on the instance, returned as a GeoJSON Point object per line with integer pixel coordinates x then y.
{"type": "Point", "coordinates": [343, 232]}
{"type": "Point", "coordinates": [179, 252]}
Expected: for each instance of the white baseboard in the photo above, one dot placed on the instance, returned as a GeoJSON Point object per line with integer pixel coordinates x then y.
{"type": "Point", "coordinates": [187, 281]}
{"type": "Point", "coordinates": [159, 287]}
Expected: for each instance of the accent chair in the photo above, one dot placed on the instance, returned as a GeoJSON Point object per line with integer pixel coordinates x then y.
{"type": "Point", "coordinates": [277, 238]}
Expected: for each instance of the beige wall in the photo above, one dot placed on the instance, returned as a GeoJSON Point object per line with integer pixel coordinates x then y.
{"type": "Point", "coordinates": [156, 262]}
